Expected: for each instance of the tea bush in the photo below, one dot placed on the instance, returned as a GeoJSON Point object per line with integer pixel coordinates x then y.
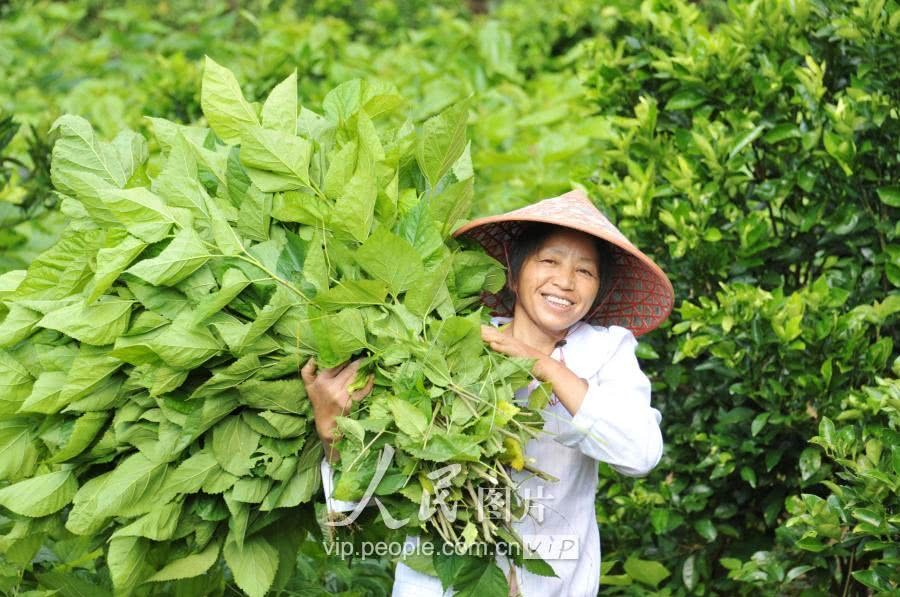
{"type": "Point", "coordinates": [754, 152]}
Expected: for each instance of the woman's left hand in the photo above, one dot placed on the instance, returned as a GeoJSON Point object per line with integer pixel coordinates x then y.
{"type": "Point", "coordinates": [513, 347]}
{"type": "Point", "coordinates": [507, 344]}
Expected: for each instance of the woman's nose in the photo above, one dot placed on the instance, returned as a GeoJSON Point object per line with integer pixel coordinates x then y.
{"type": "Point", "coordinates": [565, 278]}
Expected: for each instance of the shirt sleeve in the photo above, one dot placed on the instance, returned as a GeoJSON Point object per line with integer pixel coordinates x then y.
{"type": "Point", "coordinates": [332, 504]}
{"type": "Point", "coordinates": [615, 423]}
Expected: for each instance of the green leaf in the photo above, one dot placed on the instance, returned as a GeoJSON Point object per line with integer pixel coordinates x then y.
{"type": "Point", "coordinates": [70, 584]}
{"type": "Point", "coordinates": [228, 377]}
{"type": "Point", "coordinates": [254, 216]}
{"type": "Point", "coordinates": [441, 447]}
{"type": "Point", "coordinates": [303, 207]}
{"type": "Point", "coordinates": [85, 518]}
{"type": "Point", "coordinates": [158, 524]}
{"type": "Point", "coordinates": [337, 336]}
{"type": "Point", "coordinates": [424, 234]}
{"type": "Point", "coordinates": [16, 384]}
{"type": "Point", "coordinates": [81, 435]}
{"type": "Point", "coordinates": [18, 325]}
{"type": "Point", "coordinates": [758, 423]}
{"type": "Point", "coordinates": [781, 132]}
{"type": "Point", "coordinates": [190, 566]}
{"type": "Point", "coordinates": [343, 101]}
{"type": "Point", "coordinates": [111, 262]}
{"type": "Point", "coordinates": [275, 161]}
{"type": "Point", "coordinates": [226, 237]}
{"type": "Point", "coordinates": [341, 166]}
{"type": "Point", "coordinates": [352, 293]}
{"type": "Point", "coordinates": [279, 112]}
{"type": "Point", "coordinates": [63, 269]}
{"type": "Point", "coordinates": [452, 205]}
{"type": "Point", "coordinates": [10, 280]}
{"type": "Point", "coordinates": [97, 324]}
{"type": "Point", "coordinates": [872, 579]}
{"type": "Point", "coordinates": [749, 475]}
{"type": "Point", "coordinates": [233, 283]}
{"type": "Point", "coordinates": [250, 490]}
{"type": "Point", "coordinates": [131, 488]}
{"type": "Point", "coordinates": [706, 529]}
{"type": "Point", "coordinates": [127, 562]}
{"type": "Point", "coordinates": [285, 425]}
{"type": "Point", "coordinates": [77, 153]}
{"type": "Point", "coordinates": [142, 213]}
{"type": "Point", "coordinates": [184, 255]}
{"type": "Point", "coordinates": [316, 268]}
{"type": "Point", "coordinates": [354, 211]}
{"type": "Point", "coordinates": [178, 183]}
{"type": "Point", "coordinates": [685, 100]}
{"type": "Point", "coordinates": [379, 257]}
{"type": "Point", "coordinates": [282, 300]}
{"type": "Point", "coordinates": [233, 443]}
{"type": "Point", "coordinates": [539, 567]}
{"type": "Point", "coordinates": [689, 572]}
{"type": "Point", "coordinates": [41, 495]}
{"type": "Point", "coordinates": [827, 432]}
{"type": "Point", "coordinates": [223, 103]}
{"type": "Point", "coordinates": [471, 576]}
{"type": "Point", "coordinates": [647, 572]}
{"type": "Point", "coordinates": [253, 565]}
{"type": "Point", "coordinates": [292, 257]}
{"type": "Point", "coordinates": [185, 346]}
{"type": "Point", "coordinates": [810, 462]}
{"type": "Point", "coordinates": [99, 398]}
{"type": "Point", "coordinates": [442, 141]}
{"type": "Point", "coordinates": [408, 418]}
{"type": "Point", "coordinates": [890, 196]}
{"type": "Point", "coordinates": [283, 396]}
{"type": "Point", "coordinates": [430, 290]}
{"type": "Point", "coordinates": [18, 449]}
{"type": "Point", "coordinates": [745, 140]}
{"type": "Point", "coordinates": [190, 475]}
{"type": "Point", "coordinates": [296, 490]}
{"type": "Point", "coordinates": [45, 394]}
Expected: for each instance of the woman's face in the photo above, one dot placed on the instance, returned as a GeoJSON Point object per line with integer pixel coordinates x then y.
{"type": "Point", "coordinates": [558, 283]}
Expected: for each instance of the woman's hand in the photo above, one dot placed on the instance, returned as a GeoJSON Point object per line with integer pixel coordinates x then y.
{"type": "Point", "coordinates": [330, 399]}
{"type": "Point", "coordinates": [513, 347]}
{"type": "Point", "coordinates": [568, 387]}
{"type": "Point", "coordinates": [507, 344]}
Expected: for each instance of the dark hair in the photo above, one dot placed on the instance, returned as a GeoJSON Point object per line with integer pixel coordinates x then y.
{"type": "Point", "coordinates": [531, 237]}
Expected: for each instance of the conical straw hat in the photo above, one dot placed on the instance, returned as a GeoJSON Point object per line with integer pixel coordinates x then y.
{"type": "Point", "coordinates": [640, 296]}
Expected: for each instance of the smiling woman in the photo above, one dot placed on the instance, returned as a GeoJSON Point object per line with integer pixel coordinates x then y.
{"type": "Point", "coordinates": [578, 293]}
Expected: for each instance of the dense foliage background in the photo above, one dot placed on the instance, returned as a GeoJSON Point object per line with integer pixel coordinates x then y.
{"type": "Point", "coordinates": [751, 148]}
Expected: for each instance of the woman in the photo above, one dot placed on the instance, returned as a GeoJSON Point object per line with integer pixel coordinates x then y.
{"type": "Point", "coordinates": [578, 293]}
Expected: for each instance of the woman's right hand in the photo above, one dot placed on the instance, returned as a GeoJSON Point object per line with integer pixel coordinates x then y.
{"type": "Point", "coordinates": [327, 390]}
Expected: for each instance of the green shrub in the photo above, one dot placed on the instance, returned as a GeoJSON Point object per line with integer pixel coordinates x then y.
{"type": "Point", "coordinates": [753, 151]}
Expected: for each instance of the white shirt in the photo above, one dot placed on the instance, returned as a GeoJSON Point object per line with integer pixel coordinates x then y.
{"type": "Point", "coordinates": [615, 424]}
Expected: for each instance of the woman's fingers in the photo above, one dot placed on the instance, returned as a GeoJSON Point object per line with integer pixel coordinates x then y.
{"type": "Point", "coordinates": [308, 372]}
{"type": "Point", "coordinates": [364, 391]}
{"type": "Point", "coordinates": [336, 377]}
{"type": "Point", "coordinates": [348, 372]}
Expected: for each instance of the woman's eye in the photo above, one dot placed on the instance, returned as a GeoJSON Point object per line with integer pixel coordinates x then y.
{"type": "Point", "coordinates": [586, 271]}
{"type": "Point", "coordinates": [548, 260]}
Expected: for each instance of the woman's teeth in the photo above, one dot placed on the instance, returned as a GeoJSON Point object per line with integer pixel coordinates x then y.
{"type": "Point", "coordinates": [557, 300]}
